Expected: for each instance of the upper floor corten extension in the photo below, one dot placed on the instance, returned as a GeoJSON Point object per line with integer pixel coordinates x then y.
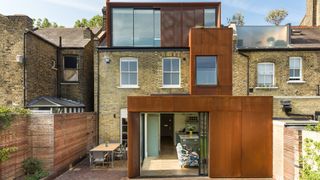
{"type": "Point", "coordinates": [157, 24]}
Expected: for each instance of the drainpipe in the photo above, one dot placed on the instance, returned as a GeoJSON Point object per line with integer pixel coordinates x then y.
{"type": "Point", "coordinates": [248, 70]}
{"type": "Point", "coordinates": [24, 69]}
{"type": "Point", "coordinates": [318, 90]}
{"type": "Point", "coordinates": [98, 96]}
{"type": "Point", "coordinates": [58, 67]}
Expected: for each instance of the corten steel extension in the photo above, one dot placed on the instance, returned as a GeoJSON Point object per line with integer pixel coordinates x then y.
{"type": "Point", "coordinates": [240, 131]}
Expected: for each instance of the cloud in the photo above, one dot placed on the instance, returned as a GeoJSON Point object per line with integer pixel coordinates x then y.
{"type": "Point", "coordinates": [75, 4]}
{"type": "Point", "coordinates": [246, 5]}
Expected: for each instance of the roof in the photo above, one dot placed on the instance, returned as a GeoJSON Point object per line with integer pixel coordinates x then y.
{"type": "Point", "coordinates": [71, 37]}
{"type": "Point", "coordinates": [305, 37]}
{"type": "Point", "coordinates": [51, 102]}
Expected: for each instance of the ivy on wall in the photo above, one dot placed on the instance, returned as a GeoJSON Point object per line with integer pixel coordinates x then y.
{"type": "Point", "coordinates": [7, 115]}
{"type": "Point", "coordinates": [5, 151]}
{"type": "Point", "coordinates": [310, 161]}
{"type": "Point", "coordinates": [6, 118]}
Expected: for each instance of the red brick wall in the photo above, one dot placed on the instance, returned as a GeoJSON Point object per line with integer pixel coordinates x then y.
{"type": "Point", "coordinates": [292, 151]}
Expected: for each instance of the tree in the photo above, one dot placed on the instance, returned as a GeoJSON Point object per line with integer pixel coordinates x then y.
{"type": "Point", "coordinates": [276, 16]}
{"type": "Point", "coordinates": [95, 21]}
{"type": "Point", "coordinates": [237, 18]}
{"type": "Point", "coordinates": [45, 23]}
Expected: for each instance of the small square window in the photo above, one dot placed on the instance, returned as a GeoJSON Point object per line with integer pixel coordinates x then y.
{"type": "Point", "coordinates": [206, 72]}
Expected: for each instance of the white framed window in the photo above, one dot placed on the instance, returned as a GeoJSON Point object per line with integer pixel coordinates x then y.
{"type": "Point", "coordinates": [171, 72]}
{"type": "Point", "coordinates": [295, 69]}
{"type": "Point", "coordinates": [266, 75]}
{"type": "Point", "coordinates": [128, 72]}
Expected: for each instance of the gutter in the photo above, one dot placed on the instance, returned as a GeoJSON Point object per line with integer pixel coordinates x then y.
{"type": "Point", "coordinates": [248, 70]}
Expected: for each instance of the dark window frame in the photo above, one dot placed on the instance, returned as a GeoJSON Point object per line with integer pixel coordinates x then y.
{"type": "Point", "coordinates": [134, 8]}
{"type": "Point", "coordinates": [78, 69]}
{"type": "Point", "coordinates": [196, 72]}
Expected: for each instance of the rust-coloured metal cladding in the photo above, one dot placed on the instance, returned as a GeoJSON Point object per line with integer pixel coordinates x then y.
{"type": "Point", "coordinates": [176, 19]}
{"type": "Point", "coordinates": [212, 42]}
{"type": "Point", "coordinates": [240, 131]}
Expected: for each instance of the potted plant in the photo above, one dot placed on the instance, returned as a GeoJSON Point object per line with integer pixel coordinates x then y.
{"type": "Point", "coordinates": [190, 128]}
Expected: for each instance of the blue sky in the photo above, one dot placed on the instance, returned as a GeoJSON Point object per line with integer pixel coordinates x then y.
{"type": "Point", "coordinates": [66, 12]}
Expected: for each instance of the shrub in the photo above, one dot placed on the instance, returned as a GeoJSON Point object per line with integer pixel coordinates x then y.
{"type": "Point", "coordinates": [33, 169]}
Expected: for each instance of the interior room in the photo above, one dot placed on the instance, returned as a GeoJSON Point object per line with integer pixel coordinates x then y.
{"type": "Point", "coordinates": [170, 144]}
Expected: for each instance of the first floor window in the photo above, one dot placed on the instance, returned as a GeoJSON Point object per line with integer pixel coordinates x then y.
{"type": "Point", "coordinates": [265, 75]}
{"type": "Point", "coordinates": [295, 65]}
{"type": "Point", "coordinates": [129, 72]}
{"type": "Point", "coordinates": [71, 68]}
{"type": "Point", "coordinates": [171, 72]}
{"type": "Point", "coordinates": [206, 70]}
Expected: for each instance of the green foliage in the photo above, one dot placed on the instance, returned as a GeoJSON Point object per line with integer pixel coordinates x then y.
{"type": "Point", "coordinates": [313, 128]}
{"type": "Point", "coordinates": [45, 23]}
{"type": "Point", "coordinates": [276, 16]}
{"type": "Point", "coordinates": [311, 160]}
{"type": "Point", "coordinates": [237, 18]}
{"type": "Point", "coordinates": [5, 152]}
{"type": "Point", "coordinates": [38, 175]}
{"type": "Point", "coordinates": [7, 115]}
{"type": "Point", "coordinates": [95, 21]}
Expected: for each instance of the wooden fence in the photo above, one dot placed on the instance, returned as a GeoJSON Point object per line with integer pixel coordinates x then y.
{"type": "Point", "coordinates": [57, 140]}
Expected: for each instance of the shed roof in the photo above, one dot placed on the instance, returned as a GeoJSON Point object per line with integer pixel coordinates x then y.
{"type": "Point", "coordinates": [71, 37]}
{"type": "Point", "coordinates": [51, 102]}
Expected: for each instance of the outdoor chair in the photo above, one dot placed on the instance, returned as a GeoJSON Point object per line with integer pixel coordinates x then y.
{"type": "Point", "coordinates": [99, 157]}
{"type": "Point", "coordinates": [121, 153]}
{"type": "Point", "coordinates": [186, 158]}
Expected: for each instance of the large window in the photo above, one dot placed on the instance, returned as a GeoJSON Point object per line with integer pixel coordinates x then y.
{"type": "Point", "coordinates": [210, 17]}
{"type": "Point", "coordinates": [295, 64]}
{"type": "Point", "coordinates": [266, 75]}
{"type": "Point", "coordinates": [206, 70]}
{"type": "Point", "coordinates": [135, 27]}
{"type": "Point", "coordinates": [171, 72]}
{"type": "Point", "coordinates": [71, 68]}
{"type": "Point", "coordinates": [129, 72]}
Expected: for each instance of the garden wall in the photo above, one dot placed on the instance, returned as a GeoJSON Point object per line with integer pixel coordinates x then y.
{"type": "Point", "coordinates": [57, 140]}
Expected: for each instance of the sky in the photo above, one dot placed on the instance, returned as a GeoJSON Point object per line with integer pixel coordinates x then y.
{"type": "Point", "coordinates": [66, 12]}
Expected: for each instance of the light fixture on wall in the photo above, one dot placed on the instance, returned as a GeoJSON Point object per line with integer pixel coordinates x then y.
{"type": "Point", "coordinates": [107, 60]}
{"type": "Point", "coordinates": [19, 58]}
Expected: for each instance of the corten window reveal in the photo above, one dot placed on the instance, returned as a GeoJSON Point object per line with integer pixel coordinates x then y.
{"type": "Point", "coordinates": [71, 68]}
{"type": "Point", "coordinates": [206, 70]}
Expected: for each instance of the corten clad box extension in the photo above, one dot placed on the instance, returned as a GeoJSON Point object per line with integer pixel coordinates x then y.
{"type": "Point", "coordinates": [212, 42]}
{"type": "Point", "coordinates": [240, 132]}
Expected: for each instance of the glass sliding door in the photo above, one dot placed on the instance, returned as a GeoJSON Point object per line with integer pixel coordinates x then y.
{"type": "Point", "coordinates": [203, 133]}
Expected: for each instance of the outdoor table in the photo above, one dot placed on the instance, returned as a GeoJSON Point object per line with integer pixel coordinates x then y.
{"type": "Point", "coordinates": [103, 148]}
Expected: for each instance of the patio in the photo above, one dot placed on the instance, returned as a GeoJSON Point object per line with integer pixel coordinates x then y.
{"type": "Point", "coordinates": [83, 171]}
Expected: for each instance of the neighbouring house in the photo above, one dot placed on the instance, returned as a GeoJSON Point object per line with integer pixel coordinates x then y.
{"type": "Point", "coordinates": [312, 17]}
{"type": "Point", "coordinates": [54, 62]}
{"type": "Point", "coordinates": [279, 61]}
{"type": "Point", "coordinates": [163, 86]}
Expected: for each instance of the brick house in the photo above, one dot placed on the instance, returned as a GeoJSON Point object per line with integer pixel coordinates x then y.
{"type": "Point", "coordinates": [282, 62]}
{"type": "Point", "coordinates": [34, 63]}
{"type": "Point", "coordinates": [164, 70]}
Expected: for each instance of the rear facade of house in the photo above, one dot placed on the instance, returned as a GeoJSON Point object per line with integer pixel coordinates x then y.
{"type": "Point", "coordinates": [163, 87]}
